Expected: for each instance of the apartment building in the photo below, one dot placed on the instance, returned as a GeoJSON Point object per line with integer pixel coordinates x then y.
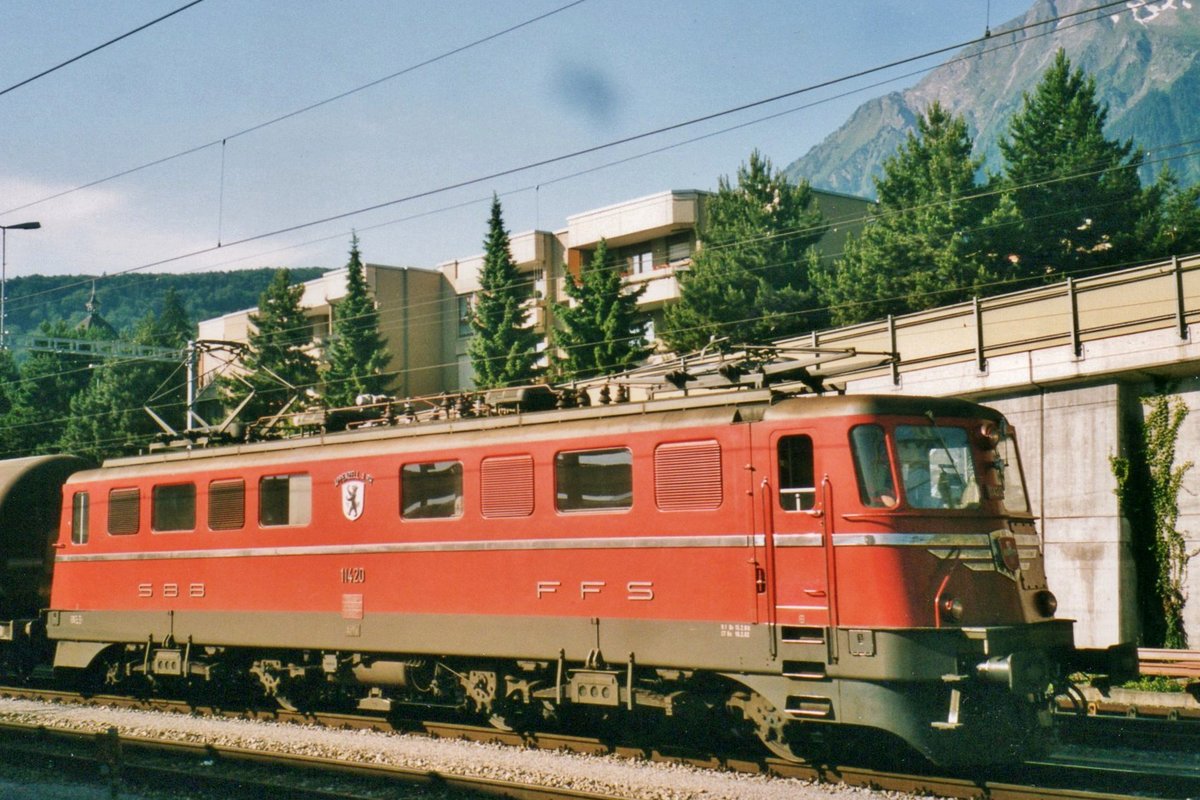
{"type": "Point", "coordinates": [424, 313]}
{"type": "Point", "coordinates": [414, 306]}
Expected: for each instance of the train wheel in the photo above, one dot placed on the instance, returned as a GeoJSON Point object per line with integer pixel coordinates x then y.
{"type": "Point", "coordinates": [518, 712]}
{"type": "Point", "coordinates": [768, 724]}
{"type": "Point", "coordinates": [514, 719]}
{"type": "Point", "coordinates": [275, 684]}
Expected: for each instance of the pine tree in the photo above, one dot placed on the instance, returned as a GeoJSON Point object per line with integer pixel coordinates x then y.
{"type": "Point", "coordinates": [1072, 198]}
{"type": "Point", "coordinates": [278, 364]}
{"type": "Point", "coordinates": [8, 381]}
{"type": "Point", "coordinates": [503, 350]}
{"type": "Point", "coordinates": [109, 417]}
{"type": "Point", "coordinates": [750, 281]}
{"type": "Point", "coordinates": [1174, 226]}
{"type": "Point", "coordinates": [601, 331]}
{"type": "Point", "coordinates": [41, 397]}
{"type": "Point", "coordinates": [356, 355]}
{"type": "Point", "coordinates": [922, 246]}
{"type": "Point", "coordinates": [172, 327]}
{"type": "Point", "coordinates": [10, 377]}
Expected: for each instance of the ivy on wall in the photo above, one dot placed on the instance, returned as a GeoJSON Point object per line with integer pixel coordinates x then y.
{"type": "Point", "coordinates": [1148, 485]}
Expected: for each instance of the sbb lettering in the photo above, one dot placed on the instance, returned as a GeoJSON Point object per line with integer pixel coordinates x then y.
{"type": "Point", "coordinates": [171, 590]}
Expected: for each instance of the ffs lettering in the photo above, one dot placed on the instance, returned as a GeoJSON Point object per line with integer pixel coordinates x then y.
{"type": "Point", "coordinates": [635, 591]}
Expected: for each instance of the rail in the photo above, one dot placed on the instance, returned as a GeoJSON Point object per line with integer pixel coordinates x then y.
{"type": "Point", "coordinates": [223, 758]}
{"type": "Point", "coordinates": [1169, 663]}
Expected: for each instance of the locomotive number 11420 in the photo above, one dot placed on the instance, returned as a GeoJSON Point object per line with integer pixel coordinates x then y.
{"type": "Point", "coordinates": [354, 574]}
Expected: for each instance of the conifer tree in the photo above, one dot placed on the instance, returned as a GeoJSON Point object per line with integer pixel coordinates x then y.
{"type": "Point", "coordinates": [278, 364]}
{"type": "Point", "coordinates": [9, 380]}
{"type": "Point", "coordinates": [172, 326]}
{"type": "Point", "coordinates": [356, 355]}
{"type": "Point", "coordinates": [41, 397]}
{"type": "Point", "coordinates": [601, 332]}
{"type": "Point", "coordinates": [503, 349]}
{"type": "Point", "coordinates": [109, 417]}
{"type": "Point", "coordinates": [750, 281]}
{"type": "Point", "coordinates": [1174, 228]}
{"type": "Point", "coordinates": [1072, 199]}
{"type": "Point", "coordinates": [922, 246]}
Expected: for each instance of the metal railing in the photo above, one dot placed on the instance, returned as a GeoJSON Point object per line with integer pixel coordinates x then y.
{"type": "Point", "coordinates": [1161, 296]}
{"type": "Point", "coordinates": [1169, 663]}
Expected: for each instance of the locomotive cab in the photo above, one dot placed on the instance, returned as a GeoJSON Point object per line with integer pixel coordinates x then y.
{"type": "Point", "coordinates": [906, 579]}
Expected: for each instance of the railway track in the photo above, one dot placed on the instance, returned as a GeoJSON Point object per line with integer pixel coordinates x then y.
{"type": "Point", "coordinates": [151, 761]}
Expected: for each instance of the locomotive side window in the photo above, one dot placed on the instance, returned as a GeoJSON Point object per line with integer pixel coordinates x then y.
{"type": "Point", "coordinates": [593, 480]}
{"type": "Point", "coordinates": [937, 466]}
{"type": "Point", "coordinates": [873, 466]}
{"type": "Point", "coordinates": [1008, 464]}
{"type": "Point", "coordinates": [173, 507]}
{"type": "Point", "coordinates": [285, 500]}
{"type": "Point", "coordinates": [226, 505]}
{"type": "Point", "coordinates": [797, 482]}
{"type": "Point", "coordinates": [79, 518]}
{"type": "Point", "coordinates": [123, 505]}
{"type": "Point", "coordinates": [431, 490]}
{"type": "Point", "coordinates": [687, 476]}
{"type": "Point", "coordinates": [506, 486]}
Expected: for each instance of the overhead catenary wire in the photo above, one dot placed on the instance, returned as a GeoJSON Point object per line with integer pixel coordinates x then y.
{"type": "Point", "coordinates": [180, 406]}
{"type": "Point", "coordinates": [296, 112]}
{"type": "Point", "coordinates": [98, 48]}
{"type": "Point", "coordinates": [984, 193]}
{"type": "Point", "coordinates": [529, 281]}
{"type": "Point", "coordinates": [176, 406]}
{"type": "Point", "coordinates": [595, 148]}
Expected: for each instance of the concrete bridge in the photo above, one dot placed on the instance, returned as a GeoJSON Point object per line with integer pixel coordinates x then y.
{"type": "Point", "coordinates": [1069, 365]}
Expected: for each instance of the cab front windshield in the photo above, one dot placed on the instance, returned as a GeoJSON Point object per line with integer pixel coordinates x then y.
{"type": "Point", "coordinates": [937, 466]}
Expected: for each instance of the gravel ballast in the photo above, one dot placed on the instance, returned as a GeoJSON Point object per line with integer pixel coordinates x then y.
{"type": "Point", "coordinates": [600, 774]}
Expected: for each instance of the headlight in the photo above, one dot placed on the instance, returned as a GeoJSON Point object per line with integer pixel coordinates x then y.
{"type": "Point", "coordinates": [951, 608]}
{"type": "Point", "coordinates": [1046, 603]}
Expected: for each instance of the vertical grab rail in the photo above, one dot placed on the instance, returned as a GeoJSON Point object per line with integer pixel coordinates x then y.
{"type": "Point", "coordinates": [768, 510]}
{"type": "Point", "coordinates": [830, 565]}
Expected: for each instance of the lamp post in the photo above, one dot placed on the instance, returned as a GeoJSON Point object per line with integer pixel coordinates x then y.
{"type": "Point", "coordinates": [4, 229]}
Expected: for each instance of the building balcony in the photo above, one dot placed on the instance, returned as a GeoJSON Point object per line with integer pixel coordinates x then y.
{"type": "Point", "coordinates": [638, 220]}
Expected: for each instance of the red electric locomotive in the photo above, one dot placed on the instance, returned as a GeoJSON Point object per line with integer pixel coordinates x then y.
{"type": "Point", "coordinates": [793, 566]}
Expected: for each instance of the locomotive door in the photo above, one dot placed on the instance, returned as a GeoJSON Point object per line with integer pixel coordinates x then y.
{"type": "Point", "coordinates": [792, 508]}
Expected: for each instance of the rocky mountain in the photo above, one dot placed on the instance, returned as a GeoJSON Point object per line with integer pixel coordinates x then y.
{"type": "Point", "coordinates": [1143, 54]}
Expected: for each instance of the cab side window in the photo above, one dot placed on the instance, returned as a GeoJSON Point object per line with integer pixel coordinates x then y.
{"type": "Point", "coordinates": [873, 465]}
{"type": "Point", "coordinates": [80, 514]}
{"type": "Point", "coordinates": [797, 477]}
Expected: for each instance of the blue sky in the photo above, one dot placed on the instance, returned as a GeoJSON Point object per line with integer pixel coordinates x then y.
{"type": "Point", "coordinates": [590, 74]}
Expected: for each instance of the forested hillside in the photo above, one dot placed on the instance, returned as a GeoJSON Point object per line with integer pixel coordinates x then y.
{"type": "Point", "coordinates": [125, 299]}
